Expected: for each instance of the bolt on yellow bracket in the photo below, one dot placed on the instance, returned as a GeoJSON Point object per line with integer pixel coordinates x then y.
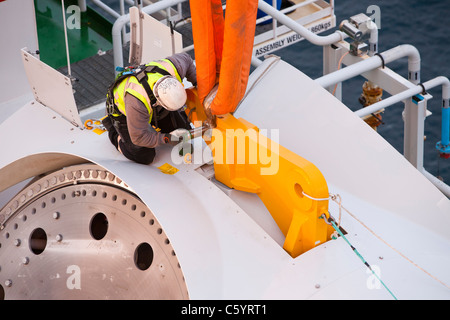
{"type": "Point", "coordinates": [293, 189]}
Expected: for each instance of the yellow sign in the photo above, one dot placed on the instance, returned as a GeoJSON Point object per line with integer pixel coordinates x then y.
{"type": "Point", "coordinates": [168, 169]}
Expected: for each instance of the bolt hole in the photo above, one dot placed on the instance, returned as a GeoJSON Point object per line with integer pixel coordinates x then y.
{"type": "Point", "coordinates": [298, 190]}
{"type": "Point", "coordinates": [98, 226]}
{"type": "Point", "coordinates": [38, 241]}
{"type": "Point", "coordinates": [143, 256]}
{"type": "Point", "coordinates": [2, 293]}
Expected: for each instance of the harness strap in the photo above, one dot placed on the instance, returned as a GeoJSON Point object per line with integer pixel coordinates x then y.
{"type": "Point", "coordinates": [142, 77]}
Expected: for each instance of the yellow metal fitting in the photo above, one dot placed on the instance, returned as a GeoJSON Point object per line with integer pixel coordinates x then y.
{"type": "Point", "coordinates": [292, 188]}
{"type": "Point", "coordinates": [94, 125]}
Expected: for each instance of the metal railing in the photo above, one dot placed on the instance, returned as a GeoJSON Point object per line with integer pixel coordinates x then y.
{"type": "Point", "coordinates": [353, 69]}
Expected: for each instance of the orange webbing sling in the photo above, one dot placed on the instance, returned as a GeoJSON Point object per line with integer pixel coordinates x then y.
{"type": "Point", "coordinates": [223, 49]}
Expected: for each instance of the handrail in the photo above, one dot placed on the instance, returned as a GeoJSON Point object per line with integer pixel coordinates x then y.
{"type": "Point", "coordinates": [442, 186]}
{"type": "Point", "coordinates": [121, 21]}
{"type": "Point", "coordinates": [374, 62]}
{"type": "Point", "coordinates": [288, 9]}
{"type": "Point", "coordinates": [443, 81]}
{"type": "Point", "coordinates": [301, 30]}
{"type": "Point", "coordinates": [444, 145]}
{"type": "Point", "coordinates": [263, 6]}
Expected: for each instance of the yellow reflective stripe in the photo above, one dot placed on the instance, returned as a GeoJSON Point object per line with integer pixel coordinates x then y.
{"type": "Point", "coordinates": [119, 96]}
{"type": "Point", "coordinates": [132, 86]}
{"type": "Point", "coordinates": [137, 90]}
{"type": "Point", "coordinates": [175, 71]}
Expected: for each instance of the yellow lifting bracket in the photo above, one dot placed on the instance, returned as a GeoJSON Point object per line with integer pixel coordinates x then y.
{"type": "Point", "coordinates": [292, 188]}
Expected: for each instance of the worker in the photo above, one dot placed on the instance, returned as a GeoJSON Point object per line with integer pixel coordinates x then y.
{"type": "Point", "coordinates": [144, 108]}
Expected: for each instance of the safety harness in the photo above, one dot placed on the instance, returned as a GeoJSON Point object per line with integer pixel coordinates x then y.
{"type": "Point", "coordinates": [141, 74]}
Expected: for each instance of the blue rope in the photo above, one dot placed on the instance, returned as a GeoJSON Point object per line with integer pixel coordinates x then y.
{"type": "Point", "coordinates": [333, 224]}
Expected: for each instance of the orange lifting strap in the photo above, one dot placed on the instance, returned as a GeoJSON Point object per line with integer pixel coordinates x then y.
{"type": "Point", "coordinates": [223, 49]}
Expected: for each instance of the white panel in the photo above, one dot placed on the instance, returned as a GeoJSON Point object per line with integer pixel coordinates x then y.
{"type": "Point", "coordinates": [51, 88]}
{"type": "Point", "coordinates": [155, 42]}
{"type": "Point", "coordinates": [353, 157]}
{"type": "Point", "coordinates": [17, 30]}
{"type": "Point", "coordinates": [223, 253]}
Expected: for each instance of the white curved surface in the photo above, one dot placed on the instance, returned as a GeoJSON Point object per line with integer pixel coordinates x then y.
{"type": "Point", "coordinates": [353, 158]}
{"type": "Point", "coordinates": [225, 254]}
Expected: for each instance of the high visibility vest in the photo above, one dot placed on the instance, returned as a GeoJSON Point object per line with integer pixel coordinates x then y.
{"type": "Point", "coordinates": [132, 86]}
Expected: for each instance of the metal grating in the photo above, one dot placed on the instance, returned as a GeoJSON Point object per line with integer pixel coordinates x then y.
{"type": "Point", "coordinates": [92, 77]}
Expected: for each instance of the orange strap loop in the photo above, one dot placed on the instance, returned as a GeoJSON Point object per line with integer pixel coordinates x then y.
{"type": "Point", "coordinates": [223, 49]}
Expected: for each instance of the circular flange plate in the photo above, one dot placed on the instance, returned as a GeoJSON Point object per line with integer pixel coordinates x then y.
{"type": "Point", "coordinates": [80, 233]}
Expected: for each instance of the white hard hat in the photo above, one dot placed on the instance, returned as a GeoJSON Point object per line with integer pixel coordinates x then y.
{"type": "Point", "coordinates": [170, 93]}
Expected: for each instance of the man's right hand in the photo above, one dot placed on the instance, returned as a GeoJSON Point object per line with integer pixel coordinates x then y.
{"type": "Point", "coordinates": [181, 135]}
{"type": "Point", "coordinates": [177, 136]}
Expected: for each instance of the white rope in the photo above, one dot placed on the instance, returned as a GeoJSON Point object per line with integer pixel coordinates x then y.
{"type": "Point", "coordinates": [316, 199]}
{"type": "Point", "coordinates": [334, 197]}
{"type": "Point", "coordinates": [339, 202]}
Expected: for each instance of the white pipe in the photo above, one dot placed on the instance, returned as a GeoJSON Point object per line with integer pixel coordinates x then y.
{"type": "Point", "coordinates": [407, 94]}
{"type": "Point", "coordinates": [301, 30]}
{"type": "Point", "coordinates": [388, 101]}
{"type": "Point", "coordinates": [256, 62]}
{"type": "Point", "coordinates": [106, 8]}
{"type": "Point", "coordinates": [375, 62]}
{"type": "Point", "coordinates": [121, 21]}
{"type": "Point", "coordinates": [349, 72]}
{"type": "Point", "coordinates": [405, 50]}
{"type": "Point", "coordinates": [82, 5]}
{"type": "Point", "coordinates": [122, 12]}
{"type": "Point", "coordinates": [188, 48]}
{"type": "Point", "coordinates": [288, 9]}
{"type": "Point", "coordinates": [445, 82]}
{"type": "Point", "coordinates": [373, 39]}
{"type": "Point", "coordinates": [444, 188]}
{"type": "Point", "coordinates": [66, 39]}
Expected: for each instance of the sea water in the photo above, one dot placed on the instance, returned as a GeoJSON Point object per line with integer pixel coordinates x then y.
{"type": "Point", "coordinates": [423, 24]}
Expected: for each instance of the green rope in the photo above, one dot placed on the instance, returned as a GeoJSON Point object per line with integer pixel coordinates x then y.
{"type": "Point", "coordinates": [333, 224]}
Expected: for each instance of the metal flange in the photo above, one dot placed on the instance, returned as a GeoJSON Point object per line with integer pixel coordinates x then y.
{"type": "Point", "coordinates": [81, 233]}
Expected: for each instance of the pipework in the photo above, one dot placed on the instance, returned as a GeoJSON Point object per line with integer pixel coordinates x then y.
{"type": "Point", "coordinates": [301, 30]}
{"type": "Point", "coordinates": [378, 60]}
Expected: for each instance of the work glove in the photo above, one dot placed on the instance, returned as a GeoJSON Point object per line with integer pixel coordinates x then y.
{"type": "Point", "coordinates": [177, 136]}
{"type": "Point", "coordinates": [181, 135]}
